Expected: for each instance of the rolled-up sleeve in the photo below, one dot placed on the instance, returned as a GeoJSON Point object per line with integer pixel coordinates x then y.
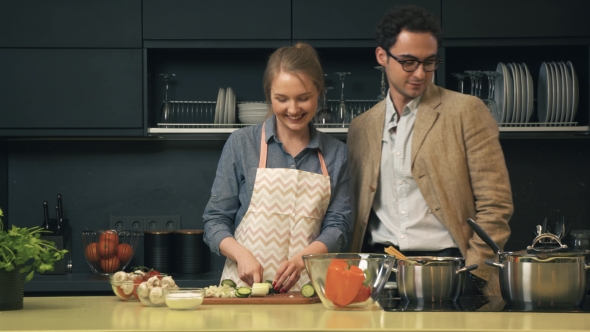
{"type": "Point", "coordinates": [220, 212]}
{"type": "Point", "coordinates": [337, 223]}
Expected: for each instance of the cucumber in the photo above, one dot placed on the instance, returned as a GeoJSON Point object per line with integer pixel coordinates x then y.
{"type": "Point", "coordinates": [271, 290]}
{"type": "Point", "coordinates": [307, 290]}
{"type": "Point", "coordinates": [228, 282]}
{"type": "Point", "coordinates": [243, 292]}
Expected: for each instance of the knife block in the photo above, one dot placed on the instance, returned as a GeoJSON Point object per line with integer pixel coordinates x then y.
{"type": "Point", "coordinates": [62, 240]}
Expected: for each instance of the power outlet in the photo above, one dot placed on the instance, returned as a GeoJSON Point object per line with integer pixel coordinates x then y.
{"type": "Point", "coordinates": [145, 223]}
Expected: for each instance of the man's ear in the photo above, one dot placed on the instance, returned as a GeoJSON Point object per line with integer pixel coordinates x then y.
{"type": "Point", "coordinates": [381, 56]}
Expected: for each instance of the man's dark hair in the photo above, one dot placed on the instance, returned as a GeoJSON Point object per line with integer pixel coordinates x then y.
{"type": "Point", "coordinates": [410, 18]}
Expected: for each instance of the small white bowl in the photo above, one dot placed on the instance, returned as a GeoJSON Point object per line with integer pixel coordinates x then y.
{"type": "Point", "coordinates": [184, 298]}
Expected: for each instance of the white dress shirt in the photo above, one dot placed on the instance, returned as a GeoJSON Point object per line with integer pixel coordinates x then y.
{"type": "Point", "coordinates": [404, 217]}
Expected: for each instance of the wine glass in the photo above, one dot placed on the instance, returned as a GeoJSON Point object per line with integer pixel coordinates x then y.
{"type": "Point", "coordinates": [324, 114]}
{"type": "Point", "coordinates": [342, 113]}
{"type": "Point", "coordinates": [383, 93]}
{"type": "Point", "coordinates": [474, 77]}
{"type": "Point", "coordinates": [165, 112]}
{"type": "Point", "coordinates": [460, 77]}
{"type": "Point", "coordinates": [490, 101]}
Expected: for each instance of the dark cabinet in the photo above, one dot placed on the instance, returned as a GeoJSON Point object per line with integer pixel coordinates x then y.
{"type": "Point", "coordinates": [214, 20]}
{"type": "Point", "coordinates": [345, 19]}
{"type": "Point", "coordinates": [70, 88]}
{"type": "Point", "coordinates": [70, 23]}
{"type": "Point", "coordinates": [515, 19]}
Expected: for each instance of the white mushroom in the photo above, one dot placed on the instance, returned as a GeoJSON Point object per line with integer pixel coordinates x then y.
{"type": "Point", "coordinates": [139, 272]}
{"type": "Point", "coordinates": [120, 276]}
{"type": "Point", "coordinates": [145, 300]}
{"type": "Point", "coordinates": [128, 287]}
{"type": "Point", "coordinates": [168, 282]}
{"type": "Point", "coordinates": [156, 295]}
{"type": "Point", "coordinates": [153, 282]}
{"type": "Point", "coordinates": [143, 290]}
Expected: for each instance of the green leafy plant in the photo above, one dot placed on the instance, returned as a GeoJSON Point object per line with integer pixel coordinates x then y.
{"type": "Point", "coordinates": [23, 248]}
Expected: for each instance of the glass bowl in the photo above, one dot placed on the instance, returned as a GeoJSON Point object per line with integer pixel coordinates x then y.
{"type": "Point", "coordinates": [348, 281]}
{"type": "Point", "coordinates": [184, 298]}
{"type": "Point", "coordinates": [154, 296]}
{"type": "Point", "coordinates": [125, 284]}
{"type": "Point", "coordinates": [108, 251]}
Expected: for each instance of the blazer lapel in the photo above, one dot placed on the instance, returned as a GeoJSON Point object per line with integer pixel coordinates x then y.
{"type": "Point", "coordinates": [425, 117]}
{"type": "Point", "coordinates": [374, 134]}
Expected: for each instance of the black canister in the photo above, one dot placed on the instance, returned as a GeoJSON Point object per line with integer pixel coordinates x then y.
{"type": "Point", "coordinates": [158, 250]}
{"type": "Point", "coordinates": [192, 254]}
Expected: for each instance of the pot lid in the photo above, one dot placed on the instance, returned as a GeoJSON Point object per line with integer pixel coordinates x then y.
{"type": "Point", "coordinates": [548, 245]}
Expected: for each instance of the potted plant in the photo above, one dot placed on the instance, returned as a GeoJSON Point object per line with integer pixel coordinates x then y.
{"type": "Point", "coordinates": [22, 252]}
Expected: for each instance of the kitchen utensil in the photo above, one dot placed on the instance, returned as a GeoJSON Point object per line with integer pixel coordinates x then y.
{"type": "Point", "coordinates": [342, 116]}
{"type": "Point", "coordinates": [335, 277]}
{"type": "Point", "coordinates": [394, 252]}
{"type": "Point", "coordinates": [431, 278]}
{"type": "Point", "coordinates": [166, 112]}
{"type": "Point", "coordinates": [541, 276]}
{"type": "Point", "coordinates": [45, 215]}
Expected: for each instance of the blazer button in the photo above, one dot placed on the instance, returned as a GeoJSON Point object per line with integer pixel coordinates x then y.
{"type": "Point", "coordinates": [372, 188]}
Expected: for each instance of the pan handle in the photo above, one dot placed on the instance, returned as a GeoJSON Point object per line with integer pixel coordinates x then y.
{"type": "Point", "coordinates": [493, 263]}
{"type": "Point", "coordinates": [467, 268]}
{"type": "Point", "coordinates": [483, 235]}
{"type": "Point", "coordinates": [394, 270]}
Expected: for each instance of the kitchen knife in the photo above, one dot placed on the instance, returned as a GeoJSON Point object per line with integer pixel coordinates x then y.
{"type": "Point", "coordinates": [45, 215]}
{"type": "Point", "coordinates": [60, 206]}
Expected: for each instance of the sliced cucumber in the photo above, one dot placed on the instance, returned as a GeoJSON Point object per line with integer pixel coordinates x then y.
{"type": "Point", "coordinates": [271, 290]}
{"type": "Point", "coordinates": [260, 289]}
{"type": "Point", "coordinates": [307, 290]}
{"type": "Point", "coordinates": [243, 292]}
{"type": "Point", "coordinates": [228, 282]}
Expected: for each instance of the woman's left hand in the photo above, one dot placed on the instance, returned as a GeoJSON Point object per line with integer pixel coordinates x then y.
{"type": "Point", "coordinates": [288, 274]}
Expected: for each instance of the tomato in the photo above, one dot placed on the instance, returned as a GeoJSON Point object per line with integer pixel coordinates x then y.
{"type": "Point", "coordinates": [124, 252]}
{"type": "Point", "coordinates": [91, 252]}
{"type": "Point", "coordinates": [110, 265]}
{"type": "Point", "coordinates": [150, 274]}
{"type": "Point", "coordinates": [109, 235]}
{"type": "Point", "coordinates": [107, 248]}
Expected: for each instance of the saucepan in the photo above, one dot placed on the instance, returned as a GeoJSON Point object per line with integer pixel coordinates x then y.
{"type": "Point", "coordinates": [546, 274]}
{"type": "Point", "coordinates": [431, 278]}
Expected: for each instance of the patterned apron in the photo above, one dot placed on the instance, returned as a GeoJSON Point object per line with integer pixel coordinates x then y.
{"type": "Point", "coordinates": [284, 217]}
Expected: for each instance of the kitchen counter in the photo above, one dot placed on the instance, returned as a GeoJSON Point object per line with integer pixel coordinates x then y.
{"type": "Point", "coordinates": [108, 313]}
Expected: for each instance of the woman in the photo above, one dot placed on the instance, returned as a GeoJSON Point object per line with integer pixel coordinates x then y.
{"type": "Point", "coordinates": [282, 184]}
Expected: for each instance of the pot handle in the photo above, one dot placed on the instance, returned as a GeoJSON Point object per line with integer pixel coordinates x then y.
{"type": "Point", "coordinates": [394, 270]}
{"type": "Point", "coordinates": [467, 268]}
{"type": "Point", "coordinates": [493, 263]}
{"type": "Point", "coordinates": [483, 235]}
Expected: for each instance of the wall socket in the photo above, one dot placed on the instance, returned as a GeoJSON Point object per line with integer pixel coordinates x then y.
{"type": "Point", "coordinates": [147, 223]}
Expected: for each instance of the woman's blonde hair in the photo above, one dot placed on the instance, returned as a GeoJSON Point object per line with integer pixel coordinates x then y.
{"type": "Point", "coordinates": [300, 58]}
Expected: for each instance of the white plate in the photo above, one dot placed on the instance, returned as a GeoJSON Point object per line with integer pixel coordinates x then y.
{"type": "Point", "coordinates": [222, 108]}
{"type": "Point", "coordinates": [524, 93]}
{"type": "Point", "coordinates": [516, 90]}
{"type": "Point", "coordinates": [568, 91]}
{"type": "Point", "coordinates": [231, 107]}
{"type": "Point", "coordinates": [556, 93]}
{"type": "Point", "coordinates": [565, 113]}
{"type": "Point", "coordinates": [499, 92]}
{"type": "Point", "coordinates": [508, 94]}
{"type": "Point", "coordinates": [226, 106]}
{"type": "Point", "coordinates": [575, 91]}
{"type": "Point", "coordinates": [531, 96]}
{"type": "Point", "coordinates": [218, 109]}
{"type": "Point", "coordinates": [544, 97]}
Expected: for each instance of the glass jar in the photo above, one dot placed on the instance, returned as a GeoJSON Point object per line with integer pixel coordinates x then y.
{"type": "Point", "coordinates": [581, 239]}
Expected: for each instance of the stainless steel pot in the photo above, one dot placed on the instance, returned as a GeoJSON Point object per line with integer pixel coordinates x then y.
{"type": "Point", "coordinates": [431, 279]}
{"type": "Point", "coordinates": [540, 276]}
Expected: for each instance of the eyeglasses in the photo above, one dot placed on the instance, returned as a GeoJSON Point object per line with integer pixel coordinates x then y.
{"type": "Point", "coordinates": [412, 65]}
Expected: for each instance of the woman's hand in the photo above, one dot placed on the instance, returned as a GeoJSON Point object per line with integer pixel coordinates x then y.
{"type": "Point", "coordinates": [249, 268]}
{"type": "Point", "coordinates": [288, 274]}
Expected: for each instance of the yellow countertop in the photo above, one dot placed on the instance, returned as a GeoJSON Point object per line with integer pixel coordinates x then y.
{"type": "Point", "coordinates": [108, 313]}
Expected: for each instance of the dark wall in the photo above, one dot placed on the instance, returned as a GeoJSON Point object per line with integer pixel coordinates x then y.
{"type": "Point", "coordinates": [110, 177]}
{"type": "Point", "coordinates": [98, 178]}
{"type": "Point", "coordinates": [4, 180]}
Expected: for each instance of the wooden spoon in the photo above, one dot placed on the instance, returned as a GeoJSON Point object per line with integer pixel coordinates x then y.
{"type": "Point", "coordinates": [394, 252]}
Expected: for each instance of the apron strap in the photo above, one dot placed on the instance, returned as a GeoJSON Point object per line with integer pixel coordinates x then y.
{"type": "Point", "coordinates": [264, 152]}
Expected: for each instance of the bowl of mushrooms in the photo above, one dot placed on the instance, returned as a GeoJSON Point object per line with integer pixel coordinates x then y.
{"type": "Point", "coordinates": [147, 287]}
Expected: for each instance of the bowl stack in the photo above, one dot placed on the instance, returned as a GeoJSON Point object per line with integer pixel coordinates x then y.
{"type": "Point", "coordinates": [252, 113]}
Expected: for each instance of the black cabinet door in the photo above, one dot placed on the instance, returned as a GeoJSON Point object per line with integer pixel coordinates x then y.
{"type": "Point", "coordinates": [70, 88]}
{"type": "Point", "coordinates": [345, 19]}
{"type": "Point", "coordinates": [70, 23]}
{"type": "Point", "coordinates": [515, 19]}
{"type": "Point", "coordinates": [219, 19]}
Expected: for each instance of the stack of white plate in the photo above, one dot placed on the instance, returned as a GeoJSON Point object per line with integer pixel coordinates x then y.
{"type": "Point", "coordinates": [514, 93]}
{"type": "Point", "coordinates": [557, 93]}
{"type": "Point", "coordinates": [252, 113]}
{"type": "Point", "coordinates": [225, 109]}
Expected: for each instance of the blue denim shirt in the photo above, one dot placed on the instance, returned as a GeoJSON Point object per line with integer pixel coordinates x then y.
{"type": "Point", "coordinates": [236, 173]}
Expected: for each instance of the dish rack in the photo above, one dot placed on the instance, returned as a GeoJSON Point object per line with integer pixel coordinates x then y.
{"type": "Point", "coordinates": [201, 114]}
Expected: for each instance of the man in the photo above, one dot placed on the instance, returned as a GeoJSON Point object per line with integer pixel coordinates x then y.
{"type": "Point", "coordinates": [425, 159]}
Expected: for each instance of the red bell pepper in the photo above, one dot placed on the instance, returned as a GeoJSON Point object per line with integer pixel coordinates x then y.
{"type": "Point", "coordinates": [343, 282]}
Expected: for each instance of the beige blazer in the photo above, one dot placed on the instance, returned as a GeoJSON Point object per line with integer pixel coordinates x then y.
{"type": "Point", "coordinates": [458, 165]}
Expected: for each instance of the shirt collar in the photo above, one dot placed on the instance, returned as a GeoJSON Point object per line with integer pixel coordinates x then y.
{"type": "Point", "coordinates": [270, 130]}
{"type": "Point", "coordinates": [390, 113]}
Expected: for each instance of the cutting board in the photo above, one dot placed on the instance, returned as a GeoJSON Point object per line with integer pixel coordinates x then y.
{"type": "Point", "coordinates": [287, 298]}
